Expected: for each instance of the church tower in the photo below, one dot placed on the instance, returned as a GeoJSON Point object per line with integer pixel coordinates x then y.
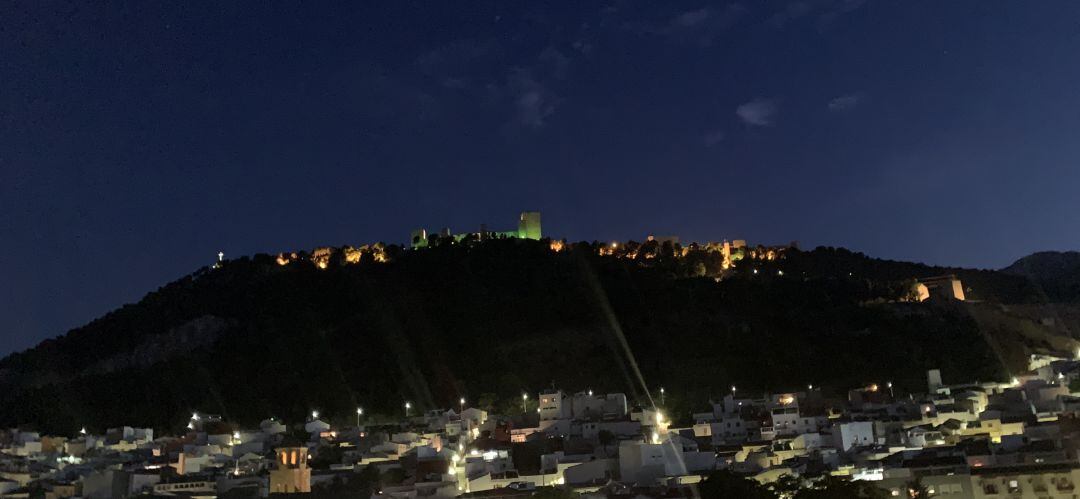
{"type": "Point", "coordinates": [292, 474]}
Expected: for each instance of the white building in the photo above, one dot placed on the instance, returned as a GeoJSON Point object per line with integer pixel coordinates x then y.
{"type": "Point", "coordinates": [853, 433]}
{"type": "Point", "coordinates": [587, 406]}
{"type": "Point", "coordinates": [554, 405]}
{"type": "Point", "coordinates": [646, 463]}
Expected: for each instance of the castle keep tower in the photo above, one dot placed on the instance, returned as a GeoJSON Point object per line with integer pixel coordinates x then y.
{"type": "Point", "coordinates": [529, 225]}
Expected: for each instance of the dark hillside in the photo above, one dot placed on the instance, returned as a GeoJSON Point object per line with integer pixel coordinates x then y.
{"type": "Point", "coordinates": [489, 321]}
{"type": "Point", "coordinates": [1055, 274]}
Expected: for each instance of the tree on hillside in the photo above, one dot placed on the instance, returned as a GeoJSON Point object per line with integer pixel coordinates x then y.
{"type": "Point", "coordinates": [555, 493]}
{"type": "Point", "coordinates": [327, 455]}
{"type": "Point", "coordinates": [486, 402]}
{"type": "Point", "coordinates": [831, 487]}
{"type": "Point", "coordinates": [728, 485]}
{"type": "Point", "coordinates": [786, 485]}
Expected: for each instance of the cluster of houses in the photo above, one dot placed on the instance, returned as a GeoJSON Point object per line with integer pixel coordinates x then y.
{"type": "Point", "coordinates": [1016, 439]}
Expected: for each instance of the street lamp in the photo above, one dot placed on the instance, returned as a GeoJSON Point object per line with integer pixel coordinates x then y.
{"type": "Point", "coordinates": [314, 415]}
{"type": "Point", "coordinates": [733, 389]}
{"type": "Point", "coordinates": [461, 404]}
{"type": "Point", "coordinates": [524, 400]}
{"type": "Point", "coordinates": [889, 385]}
{"type": "Point", "coordinates": [359, 412]}
{"type": "Point", "coordinates": [407, 407]}
{"type": "Point", "coordinates": [662, 396]}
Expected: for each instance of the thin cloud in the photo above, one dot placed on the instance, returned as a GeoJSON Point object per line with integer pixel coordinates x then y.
{"type": "Point", "coordinates": [758, 112]}
{"type": "Point", "coordinates": [553, 62]}
{"type": "Point", "coordinates": [531, 87]}
{"type": "Point", "coordinates": [696, 26]}
{"type": "Point", "coordinates": [456, 56]}
{"type": "Point", "coordinates": [713, 137]}
{"type": "Point", "coordinates": [534, 102]}
{"type": "Point", "coordinates": [845, 103]}
{"type": "Point", "coordinates": [822, 12]}
{"type": "Point", "coordinates": [837, 9]}
{"type": "Point", "coordinates": [455, 83]}
{"type": "Point", "coordinates": [526, 91]}
{"type": "Point", "coordinates": [690, 18]}
{"type": "Point", "coordinates": [718, 22]}
{"type": "Point", "coordinates": [585, 47]}
{"type": "Point", "coordinates": [793, 11]}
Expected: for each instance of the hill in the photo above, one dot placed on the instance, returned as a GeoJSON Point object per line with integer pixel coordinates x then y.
{"type": "Point", "coordinates": [489, 320]}
{"type": "Point", "coordinates": [1055, 273]}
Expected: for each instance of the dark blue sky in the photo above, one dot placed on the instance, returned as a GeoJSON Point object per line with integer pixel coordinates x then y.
{"type": "Point", "coordinates": [137, 140]}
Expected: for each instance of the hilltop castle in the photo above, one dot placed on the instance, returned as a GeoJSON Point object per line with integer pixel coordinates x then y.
{"type": "Point", "coordinates": [528, 228]}
{"type": "Point", "coordinates": [723, 255]}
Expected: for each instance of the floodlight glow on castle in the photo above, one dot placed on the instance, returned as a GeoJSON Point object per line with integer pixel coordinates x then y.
{"type": "Point", "coordinates": [528, 228]}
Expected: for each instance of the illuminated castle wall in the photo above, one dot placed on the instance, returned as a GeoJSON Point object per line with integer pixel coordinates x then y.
{"type": "Point", "coordinates": [528, 228]}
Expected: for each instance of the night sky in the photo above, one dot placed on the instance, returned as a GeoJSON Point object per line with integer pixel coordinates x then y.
{"type": "Point", "coordinates": [138, 140]}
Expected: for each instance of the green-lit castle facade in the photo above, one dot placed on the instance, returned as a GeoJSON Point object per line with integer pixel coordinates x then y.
{"type": "Point", "coordinates": [528, 228]}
